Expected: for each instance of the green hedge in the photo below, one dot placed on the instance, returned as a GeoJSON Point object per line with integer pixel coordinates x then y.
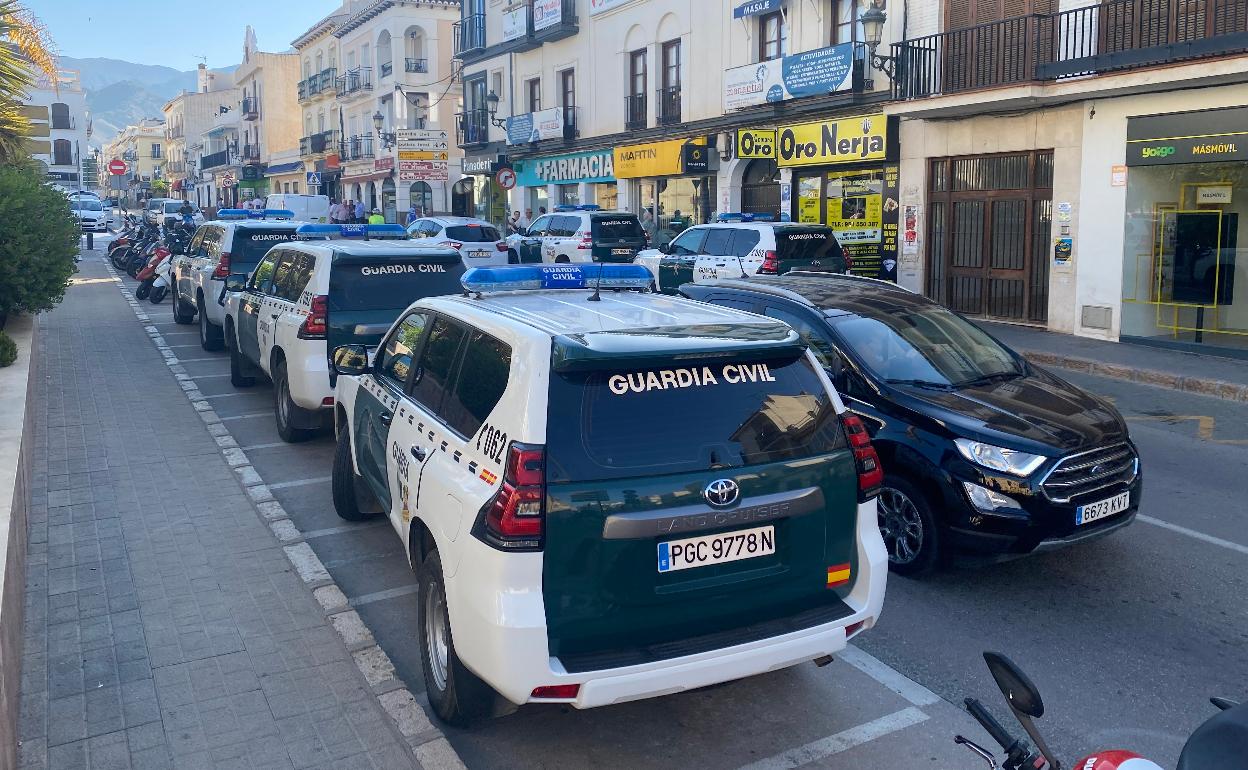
{"type": "Point", "coordinates": [8, 350]}
{"type": "Point", "coordinates": [38, 242]}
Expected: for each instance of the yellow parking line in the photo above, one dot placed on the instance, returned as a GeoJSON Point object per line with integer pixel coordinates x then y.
{"type": "Point", "coordinates": [1204, 425]}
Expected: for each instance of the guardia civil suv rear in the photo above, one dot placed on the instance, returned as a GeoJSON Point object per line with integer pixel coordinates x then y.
{"type": "Point", "coordinates": [609, 497]}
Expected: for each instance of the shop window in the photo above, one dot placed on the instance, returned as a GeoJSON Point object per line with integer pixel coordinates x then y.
{"type": "Point", "coordinates": [534, 90]}
{"type": "Point", "coordinates": [421, 196]}
{"type": "Point", "coordinates": [844, 21]}
{"type": "Point", "coordinates": [62, 153]}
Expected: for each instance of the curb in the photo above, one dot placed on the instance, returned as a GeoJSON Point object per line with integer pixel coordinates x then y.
{"type": "Point", "coordinates": [422, 737]}
{"type": "Point", "coordinates": [1229, 391]}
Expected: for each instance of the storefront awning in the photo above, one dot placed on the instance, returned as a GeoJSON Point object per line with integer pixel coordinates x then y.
{"type": "Point", "coordinates": [283, 168]}
{"type": "Point", "coordinates": [177, 185]}
{"type": "Point", "coordinates": [360, 179]}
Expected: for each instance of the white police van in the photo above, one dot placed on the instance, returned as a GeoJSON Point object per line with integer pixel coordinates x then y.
{"type": "Point", "coordinates": [607, 495]}
{"type": "Point", "coordinates": [339, 284]}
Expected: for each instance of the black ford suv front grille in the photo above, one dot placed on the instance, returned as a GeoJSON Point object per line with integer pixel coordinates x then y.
{"type": "Point", "coordinates": [1081, 474]}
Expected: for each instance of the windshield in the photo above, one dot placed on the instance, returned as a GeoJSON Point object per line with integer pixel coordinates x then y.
{"type": "Point", "coordinates": [807, 243]}
{"type": "Point", "coordinates": [89, 205]}
{"type": "Point", "coordinates": [172, 207]}
{"type": "Point", "coordinates": [391, 285]}
{"type": "Point", "coordinates": [251, 244]}
{"type": "Point", "coordinates": [925, 346]}
{"type": "Point", "coordinates": [686, 417]}
{"type": "Point", "coordinates": [473, 234]}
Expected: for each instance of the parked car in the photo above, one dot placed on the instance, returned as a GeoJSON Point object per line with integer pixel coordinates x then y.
{"type": "Point", "coordinates": [986, 456]}
{"type": "Point", "coordinates": [90, 213]}
{"type": "Point", "coordinates": [306, 298]}
{"type": "Point", "coordinates": [478, 242]}
{"type": "Point", "coordinates": [171, 213]}
{"type": "Point", "coordinates": [602, 510]}
{"type": "Point", "coordinates": [743, 245]}
{"type": "Point", "coordinates": [580, 234]}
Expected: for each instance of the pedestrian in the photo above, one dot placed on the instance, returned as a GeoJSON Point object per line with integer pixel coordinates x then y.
{"type": "Point", "coordinates": [411, 213]}
{"type": "Point", "coordinates": [647, 221]}
{"type": "Point", "coordinates": [541, 211]}
{"type": "Point", "coordinates": [513, 224]}
{"type": "Point", "coordinates": [376, 218]}
{"type": "Point", "coordinates": [359, 211]}
{"type": "Point", "coordinates": [526, 221]}
{"type": "Point", "coordinates": [340, 212]}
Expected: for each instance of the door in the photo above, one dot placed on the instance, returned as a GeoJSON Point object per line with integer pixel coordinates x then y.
{"type": "Point", "coordinates": [375, 403]}
{"type": "Point", "coordinates": [715, 256]}
{"type": "Point", "coordinates": [531, 243]}
{"type": "Point", "coordinates": [990, 227]}
{"type": "Point", "coordinates": [270, 308]}
{"type": "Point", "coordinates": [288, 307]}
{"type": "Point", "coordinates": [184, 265]}
{"type": "Point", "coordinates": [249, 305]}
{"type": "Point", "coordinates": [559, 243]}
{"type": "Point", "coordinates": [678, 265]}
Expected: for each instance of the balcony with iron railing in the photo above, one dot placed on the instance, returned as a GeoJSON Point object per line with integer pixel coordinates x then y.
{"type": "Point", "coordinates": [472, 128]}
{"type": "Point", "coordinates": [304, 95]}
{"type": "Point", "coordinates": [251, 108]}
{"type": "Point", "coordinates": [357, 148]}
{"type": "Point", "coordinates": [318, 144]}
{"type": "Point", "coordinates": [63, 123]}
{"type": "Point", "coordinates": [416, 65]}
{"type": "Point", "coordinates": [251, 153]}
{"type": "Point", "coordinates": [354, 82]}
{"type": "Point", "coordinates": [216, 160]}
{"type": "Point", "coordinates": [469, 35]}
{"type": "Point", "coordinates": [668, 105]}
{"type": "Point", "coordinates": [387, 69]}
{"type": "Point", "coordinates": [635, 112]}
{"type": "Point", "coordinates": [325, 80]}
{"type": "Point", "coordinates": [1112, 36]}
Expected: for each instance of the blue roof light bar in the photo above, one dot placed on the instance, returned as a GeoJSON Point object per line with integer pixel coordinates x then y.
{"type": "Point", "coordinates": [233, 213]}
{"type": "Point", "coordinates": [363, 232]}
{"type": "Point", "coordinates": [578, 207]}
{"type": "Point", "coordinates": [737, 216]}
{"type": "Point", "coordinates": [533, 277]}
{"type": "Point", "coordinates": [271, 214]}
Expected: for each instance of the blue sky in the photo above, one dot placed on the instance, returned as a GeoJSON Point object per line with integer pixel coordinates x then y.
{"type": "Point", "coordinates": [175, 32]}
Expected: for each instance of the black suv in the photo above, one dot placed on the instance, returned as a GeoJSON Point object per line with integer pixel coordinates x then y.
{"type": "Point", "coordinates": [984, 454]}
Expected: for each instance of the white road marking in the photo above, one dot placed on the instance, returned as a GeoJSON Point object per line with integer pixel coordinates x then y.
{"type": "Point", "coordinates": [380, 596]}
{"type": "Point", "coordinates": [300, 482]}
{"type": "Point", "coordinates": [196, 360]}
{"type": "Point", "coordinates": [888, 676]}
{"type": "Point", "coordinates": [842, 741]}
{"type": "Point", "coordinates": [184, 346]}
{"type": "Point", "coordinates": [247, 416]}
{"type": "Point", "coordinates": [227, 395]}
{"type": "Point", "coordinates": [272, 445]}
{"type": "Point", "coordinates": [206, 376]}
{"type": "Point", "coordinates": [342, 530]}
{"type": "Point", "coordinates": [1236, 547]}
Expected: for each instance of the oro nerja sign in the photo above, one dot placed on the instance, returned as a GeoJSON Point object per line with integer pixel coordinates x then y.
{"type": "Point", "coordinates": [845, 140]}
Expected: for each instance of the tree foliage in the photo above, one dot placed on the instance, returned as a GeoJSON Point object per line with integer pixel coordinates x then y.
{"type": "Point", "coordinates": [38, 242]}
{"type": "Point", "coordinates": [8, 350]}
{"type": "Point", "coordinates": [25, 51]}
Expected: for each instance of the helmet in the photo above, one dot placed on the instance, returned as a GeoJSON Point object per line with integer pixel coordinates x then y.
{"type": "Point", "coordinates": [1115, 759]}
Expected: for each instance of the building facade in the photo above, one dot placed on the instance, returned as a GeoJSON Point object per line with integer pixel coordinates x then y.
{"type": "Point", "coordinates": [187, 117]}
{"type": "Point", "coordinates": [1080, 165]}
{"type": "Point", "coordinates": [60, 127]}
{"type": "Point", "coordinates": [269, 114]}
{"type": "Point", "coordinates": [142, 147]}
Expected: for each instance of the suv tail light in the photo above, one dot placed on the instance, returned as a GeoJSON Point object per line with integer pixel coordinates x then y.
{"type": "Point", "coordinates": [771, 264]}
{"type": "Point", "coordinates": [587, 242]}
{"type": "Point", "coordinates": [870, 474]}
{"type": "Point", "coordinates": [501, 245]}
{"type": "Point", "coordinates": [316, 324]}
{"type": "Point", "coordinates": [452, 245]}
{"type": "Point", "coordinates": [514, 518]}
{"type": "Point", "coordinates": [222, 270]}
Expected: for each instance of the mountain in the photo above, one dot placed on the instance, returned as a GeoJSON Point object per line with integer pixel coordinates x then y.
{"type": "Point", "coordinates": [120, 92]}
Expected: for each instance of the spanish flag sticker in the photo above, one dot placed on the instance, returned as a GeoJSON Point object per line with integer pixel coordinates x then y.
{"type": "Point", "coordinates": [490, 478]}
{"type": "Point", "coordinates": [838, 575]}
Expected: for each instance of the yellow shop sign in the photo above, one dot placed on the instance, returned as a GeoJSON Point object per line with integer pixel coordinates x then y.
{"type": "Point", "coordinates": [646, 160]}
{"type": "Point", "coordinates": [847, 140]}
{"type": "Point", "coordinates": [756, 143]}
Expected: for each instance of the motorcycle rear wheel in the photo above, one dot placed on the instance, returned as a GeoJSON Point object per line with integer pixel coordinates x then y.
{"type": "Point", "coordinates": [157, 295]}
{"type": "Point", "coordinates": [143, 290]}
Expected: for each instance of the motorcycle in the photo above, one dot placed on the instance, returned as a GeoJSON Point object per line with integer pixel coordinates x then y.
{"type": "Point", "coordinates": [147, 276]}
{"type": "Point", "coordinates": [162, 282]}
{"type": "Point", "coordinates": [1221, 743]}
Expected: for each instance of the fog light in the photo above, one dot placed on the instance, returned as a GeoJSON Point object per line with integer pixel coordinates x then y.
{"type": "Point", "coordinates": [556, 692]}
{"type": "Point", "coordinates": [327, 401]}
{"type": "Point", "coordinates": [989, 499]}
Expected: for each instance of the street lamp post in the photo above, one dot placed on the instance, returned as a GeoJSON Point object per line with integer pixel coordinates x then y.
{"type": "Point", "coordinates": [491, 102]}
{"type": "Point", "coordinates": [872, 20]}
{"type": "Point", "coordinates": [387, 137]}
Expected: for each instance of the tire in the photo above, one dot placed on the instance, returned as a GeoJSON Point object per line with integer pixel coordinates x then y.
{"type": "Point", "coordinates": [134, 265]}
{"type": "Point", "coordinates": [908, 527]}
{"type": "Point", "coordinates": [237, 367]}
{"type": "Point", "coordinates": [284, 408]}
{"type": "Point", "coordinates": [347, 486]}
{"type": "Point", "coordinates": [180, 316]}
{"type": "Point", "coordinates": [144, 289]}
{"type": "Point", "coordinates": [210, 337]}
{"type": "Point", "coordinates": [157, 294]}
{"type": "Point", "coordinates": [457, 695]}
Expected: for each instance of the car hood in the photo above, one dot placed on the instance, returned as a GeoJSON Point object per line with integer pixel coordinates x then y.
{"type": "Point", "coordinates": [1038, 413]}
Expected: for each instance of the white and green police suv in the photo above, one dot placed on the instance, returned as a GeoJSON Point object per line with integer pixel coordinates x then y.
{"type": "Point", "coordinates": [607, 495]}
{"type": "Point", "coordinates": [307, 297]}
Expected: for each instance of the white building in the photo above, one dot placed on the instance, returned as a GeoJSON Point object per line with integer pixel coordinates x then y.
{"type": "Point", "coordinates": [187, 117]}
{"type": "Point", "coordinates": [60, 127]}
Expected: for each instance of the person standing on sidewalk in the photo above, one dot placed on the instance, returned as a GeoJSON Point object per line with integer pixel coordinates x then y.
{"type": "Point", "coordinates": [359, 212]}
{"type": "Point", "coordinates": [376, 218]}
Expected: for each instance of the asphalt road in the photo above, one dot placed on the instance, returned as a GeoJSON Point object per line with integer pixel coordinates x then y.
{"type": "Point", "coordinates": [1127, 637]}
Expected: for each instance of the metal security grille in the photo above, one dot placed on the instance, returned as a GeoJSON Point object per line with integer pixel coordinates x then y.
{"type": "Point", "coordinates": [989, 223]}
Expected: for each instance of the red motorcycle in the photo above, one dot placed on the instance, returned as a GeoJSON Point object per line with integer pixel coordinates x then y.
{"type": "Point", "coordinates": [147, 275]}
{"type": "Point", "coordinates": [1221, 743]}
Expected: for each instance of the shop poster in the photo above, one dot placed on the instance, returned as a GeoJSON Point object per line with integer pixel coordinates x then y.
{"type": "Point", "coordinates": [863, 211]}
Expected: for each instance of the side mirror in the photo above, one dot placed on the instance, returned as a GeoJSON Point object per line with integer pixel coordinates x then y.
{"type": "Point", "coordinates": [236, 282]}
{"type": "Point", "coordinates": [1015, 685]}
{"type": "Point", "coordinates": [351, 360]}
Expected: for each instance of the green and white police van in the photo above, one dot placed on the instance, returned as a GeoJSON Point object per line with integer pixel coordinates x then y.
{"type": "Point", "coordinates": [607, 494]}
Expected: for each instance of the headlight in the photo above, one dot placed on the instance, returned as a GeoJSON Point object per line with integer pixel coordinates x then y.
{"type": "Point", "coordinates": [998, 458]}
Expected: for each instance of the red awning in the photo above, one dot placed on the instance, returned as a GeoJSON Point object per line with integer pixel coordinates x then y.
{"type": "Point", "coordinates": [177, 185]}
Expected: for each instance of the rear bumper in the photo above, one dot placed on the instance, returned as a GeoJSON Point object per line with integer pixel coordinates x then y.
{"type": "Point", "coordinates": [500, 633]}
{"type": "Point", "coordinates": [309, 380]}
{"type": "Point", "coordinates": [213, 309]}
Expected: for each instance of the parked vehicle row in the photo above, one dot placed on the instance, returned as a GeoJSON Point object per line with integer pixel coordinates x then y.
{"type": "Point", "coordinates": [573, 234]}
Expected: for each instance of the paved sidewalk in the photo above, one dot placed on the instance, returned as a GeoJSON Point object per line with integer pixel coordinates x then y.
{"type": "Point", "coordinates": [1192, 372]}
{"type": "Point", "coordinates": [165, 626]}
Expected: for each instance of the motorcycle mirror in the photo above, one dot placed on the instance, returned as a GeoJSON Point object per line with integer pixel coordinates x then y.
{"type": "Point", "coordinates": [1015, 685]}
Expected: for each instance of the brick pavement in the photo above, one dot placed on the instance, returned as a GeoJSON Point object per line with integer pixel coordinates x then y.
{"type": "Point", "coordinates": [165, 626]}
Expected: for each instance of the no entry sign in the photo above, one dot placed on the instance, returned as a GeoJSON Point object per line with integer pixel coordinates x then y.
{"type": "Point", "coordinates": [117, 167]}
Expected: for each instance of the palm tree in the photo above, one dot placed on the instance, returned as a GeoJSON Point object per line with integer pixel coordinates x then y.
{"type": "Point", "coordinates": [25, 50]}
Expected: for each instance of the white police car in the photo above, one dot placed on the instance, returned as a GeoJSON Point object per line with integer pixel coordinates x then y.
{"type": "Point", "coordinates": [742, 245]}
{"type": "Point", "coordinates": [582, 233]}
{"type": "Point", "coordinates": [607, 496]}
{"type": "Point", "coordinates": [307, 297]}
{"type": "Point", "coordinates": [231, 245]}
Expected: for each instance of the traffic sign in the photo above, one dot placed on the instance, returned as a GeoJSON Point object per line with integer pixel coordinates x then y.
{"type": "Point", "coordinates": [226, 181]}
{"type": "Point", "coordinates": [423, 155]}
{"type": "Point", "coordinates": [314, 179]}
{"type": "Point", "coordinates": [506, 178]}
{"type": "Point", "coordinates": [117, 167]}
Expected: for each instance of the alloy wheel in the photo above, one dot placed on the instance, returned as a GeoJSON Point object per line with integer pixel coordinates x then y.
{"type": "Point", "coordinates": [436, 634]}
{"type": "Point", "coordinates": [901, 526]}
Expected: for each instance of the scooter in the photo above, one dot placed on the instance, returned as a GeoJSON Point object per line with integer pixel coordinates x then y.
{"type": "Point", "coordinates": [147, 276]}
{"type": "Point", "coordinates": [1221, 743]}
{"type": "Point", "coordinates": [160, 286]}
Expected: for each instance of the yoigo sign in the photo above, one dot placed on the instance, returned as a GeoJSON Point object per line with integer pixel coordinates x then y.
{"type": "Point", "coordinates": [1157, 152]}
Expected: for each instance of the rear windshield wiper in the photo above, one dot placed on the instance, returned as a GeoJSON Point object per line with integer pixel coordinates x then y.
{"type": "Point", "coordinates": [987, 378]}
{"type": "Point", "coordinates": [921, 384]}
